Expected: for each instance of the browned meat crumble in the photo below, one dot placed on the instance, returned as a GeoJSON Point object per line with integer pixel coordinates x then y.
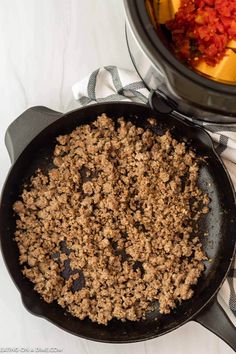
{"type": "Point", "coordinates": [109, 230]}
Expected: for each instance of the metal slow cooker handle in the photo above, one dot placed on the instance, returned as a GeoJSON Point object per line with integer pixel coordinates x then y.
{"type": "Point", "coordinates": [24, 128]}
{"type": "Point", "coordinates": [214, 318]}
{"type": "Point", "coordinates": [160, 103]}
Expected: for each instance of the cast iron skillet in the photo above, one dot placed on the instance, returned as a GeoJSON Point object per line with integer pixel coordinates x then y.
{"type": "Point", "coordinates": [30, 140]}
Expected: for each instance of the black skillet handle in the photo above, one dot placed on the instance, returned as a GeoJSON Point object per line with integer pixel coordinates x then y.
{"type": "Point", "coordinates": [160, 103]}
{"type": "Point", "coordinates": [24, 128]}
{"type": "Point", "coordinates": [214, 318]}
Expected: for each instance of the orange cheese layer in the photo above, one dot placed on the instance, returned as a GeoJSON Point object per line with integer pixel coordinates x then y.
{"type": "Point", "coordinates": [165, 10]}
{"type": "Point", "coordinates": [225, 70]}
{"type": "Point", "coordinates": [232, 44]}
{"type": "Point", "coordinates": [174, 6]}
{"type": "Point", "coordinates": [150, 12]}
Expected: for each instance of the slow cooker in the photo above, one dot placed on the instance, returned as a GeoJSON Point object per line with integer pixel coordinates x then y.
{"type": "Point", "coordinates": [189, 93]}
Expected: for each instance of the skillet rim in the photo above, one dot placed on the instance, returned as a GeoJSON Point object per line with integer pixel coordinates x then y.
{"type": "Point", "coordinates": [229, 261]}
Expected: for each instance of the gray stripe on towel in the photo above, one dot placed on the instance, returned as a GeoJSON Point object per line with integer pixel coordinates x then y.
{"type": "Point", "coordinates": [115, 77]}
{"type": "Point", "coordinates": [222, 146]}
{"type": "Point", "coordinates": [92, 85]}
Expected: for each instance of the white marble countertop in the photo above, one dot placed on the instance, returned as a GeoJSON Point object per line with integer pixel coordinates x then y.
{"type": "Point", "coordinates": [45, 46]}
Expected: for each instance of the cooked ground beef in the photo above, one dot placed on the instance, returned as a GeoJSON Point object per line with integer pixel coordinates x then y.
{"type": "Point", "coordinates": [108, 232]}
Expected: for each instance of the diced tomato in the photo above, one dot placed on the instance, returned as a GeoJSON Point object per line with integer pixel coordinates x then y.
{"type": "Point", "coordinates": [202, 29]}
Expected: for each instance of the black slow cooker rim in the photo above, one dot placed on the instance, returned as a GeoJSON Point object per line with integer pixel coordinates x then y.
{"type": "Point", "coordinates": [139, 21]}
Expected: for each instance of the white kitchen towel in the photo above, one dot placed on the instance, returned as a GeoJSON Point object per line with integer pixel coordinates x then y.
{"type": "Point", "coordinates": [110, 83]}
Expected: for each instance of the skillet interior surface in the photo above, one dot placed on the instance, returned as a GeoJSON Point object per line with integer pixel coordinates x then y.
{"type": "Point", "coordinates": [219, 223]}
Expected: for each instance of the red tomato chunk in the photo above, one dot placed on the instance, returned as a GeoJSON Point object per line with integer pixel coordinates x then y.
{"type": "Point", "coordinates": [202, 29]}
